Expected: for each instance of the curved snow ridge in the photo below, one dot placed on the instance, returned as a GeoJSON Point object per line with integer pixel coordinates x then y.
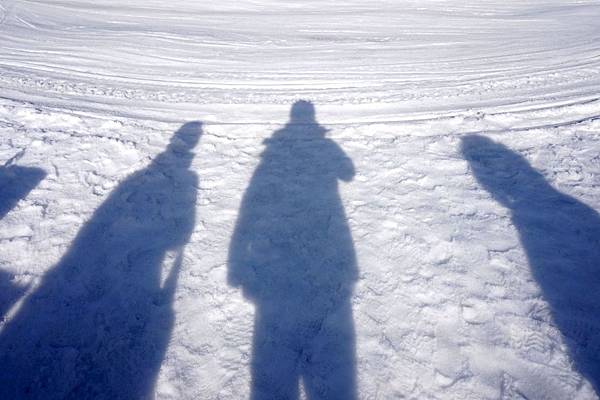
{"type": "Point", "coordinates": [432, 57]}
{"type": "Point", "coordinates": [341, 121]}
{"type": "Point", "coordinates": [451, 300]}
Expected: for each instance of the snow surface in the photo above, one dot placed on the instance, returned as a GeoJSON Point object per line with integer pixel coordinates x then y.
{"type": "Point", "coordinates": [176, 223]}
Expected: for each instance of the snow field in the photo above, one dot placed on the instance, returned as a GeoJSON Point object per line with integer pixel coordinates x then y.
{"type": "Point", "coordinates": [447, 304]}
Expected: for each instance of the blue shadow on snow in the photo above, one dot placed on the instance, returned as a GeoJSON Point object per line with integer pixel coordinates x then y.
{"type": "Point", "coordinates": [293, 255]}
{"type": "Point", "coordinates": [561, 238]}
{"type": "Point", "coordinates": [99, 324]}
{"type": "Point", "coordinates": [15, 183]}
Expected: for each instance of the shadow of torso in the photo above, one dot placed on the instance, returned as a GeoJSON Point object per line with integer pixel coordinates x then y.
{"type": "Point", "coordinates": [100, 321]}
{"type": "Point", "coordinates": [561, 238]}
{"type": "Point", "coordinates": [293, 255]}
{"type": "Point", "coordinates": [15, 183]}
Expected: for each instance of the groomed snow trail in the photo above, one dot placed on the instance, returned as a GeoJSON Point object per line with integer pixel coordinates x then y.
{"type": "Point", "coordinates": [454, 234]}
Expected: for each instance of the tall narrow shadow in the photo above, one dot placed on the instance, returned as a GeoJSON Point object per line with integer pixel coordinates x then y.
{"type": "Point", "coordinates": [9, 292]}
{"type": "Point", "coordinates": [15, 183]}
{"type": "Point", "coordinates": [292, 254]}
{"type": "Point", "coordinates": [561, 237]}
{"type": "Point", "coordinates": [99, 324]}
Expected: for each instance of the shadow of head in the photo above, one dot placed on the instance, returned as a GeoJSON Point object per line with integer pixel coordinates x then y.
{"type": "Point", "coordinates": [302, 112]}
{"type": "Point", "coordinates": [186, 137]}
{"type": "Point", "coordinates": [503, 172]}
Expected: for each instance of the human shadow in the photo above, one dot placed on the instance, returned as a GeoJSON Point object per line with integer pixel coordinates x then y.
{"type": "Point", "coordinates": [293, 256]}
{"type": "Point", "coordinates": [15, 183]}
{"type": "Point", "coordinates": [9, 292]}
{"type": "Point", "coordinates": [99, 323]}
{"type": "Point", "coordinates": [561, 238]}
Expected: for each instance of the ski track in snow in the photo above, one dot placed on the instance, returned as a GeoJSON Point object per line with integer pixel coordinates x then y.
{"type": "Point", "coordinates": [448, 303]}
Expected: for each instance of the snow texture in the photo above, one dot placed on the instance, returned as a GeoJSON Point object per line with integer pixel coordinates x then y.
{"type": "Point", "coordinates": [300, 199]}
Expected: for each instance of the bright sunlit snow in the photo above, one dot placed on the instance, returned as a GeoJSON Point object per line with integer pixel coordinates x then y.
{"type": "Point", "coordinates": [300, 199]}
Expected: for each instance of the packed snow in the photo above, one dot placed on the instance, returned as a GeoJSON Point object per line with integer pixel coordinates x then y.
{"type": "Point", "coordinates": [300, 199]}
